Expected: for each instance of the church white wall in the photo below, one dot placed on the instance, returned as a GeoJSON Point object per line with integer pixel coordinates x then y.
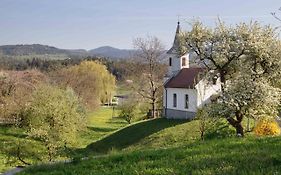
{"type": "Point", "coordinates": [181, 99]}
{"type": "Point", "coordinates": [175, 64]}
{"type": "Point", "coordinates": [205, 90]}
{"type": "Point", "coordinates": [164, 99]}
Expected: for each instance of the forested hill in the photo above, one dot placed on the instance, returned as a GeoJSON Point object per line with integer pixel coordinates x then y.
{"type": "Point", "coordinates": [35, 49]}
{"type": "Point", "coordinates": [38, 49]}
{"type": "Point", "coordinates": [112, 52]}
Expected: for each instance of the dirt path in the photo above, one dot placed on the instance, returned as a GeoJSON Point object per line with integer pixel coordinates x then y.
{"type": "Point", "coordinates": [13, 171]}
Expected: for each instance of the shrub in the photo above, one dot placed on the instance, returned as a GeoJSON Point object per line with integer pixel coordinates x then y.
{"type": "Point", "coordinates": [128, 111]}
{"type": "Point", "coordinates": [220, 129]}
{"type": "Point", "coordinates": [267, 127]}
{"type": "Point", "coordinates": [54, 117]}
{"type": "Point", "coordinates": [211, 122]}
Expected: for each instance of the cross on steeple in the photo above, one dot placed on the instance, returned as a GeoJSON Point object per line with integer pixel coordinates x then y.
{"type": "Point", "coordinates": [179, 18]}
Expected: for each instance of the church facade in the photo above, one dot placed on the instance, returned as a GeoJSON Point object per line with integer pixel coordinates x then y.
{"type": "Point", "coordinates": [185, 87]}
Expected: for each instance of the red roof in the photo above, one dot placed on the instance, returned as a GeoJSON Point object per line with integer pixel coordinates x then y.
{"type": "Point", "coordinates": [186, 78]}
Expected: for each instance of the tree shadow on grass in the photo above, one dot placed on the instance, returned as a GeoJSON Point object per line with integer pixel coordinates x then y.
{"type": "Point", "coordinates": [130, 135]}
{"type": "Point", "coordinates": [100, 129]}
{"type": "Point", "coordinates": [10, 131]}
{"type": "Point", "coordinates": [116, 120]}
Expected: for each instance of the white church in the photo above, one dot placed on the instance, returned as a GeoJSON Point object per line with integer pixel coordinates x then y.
{"type": "Point", "coordinates": [185, 88]}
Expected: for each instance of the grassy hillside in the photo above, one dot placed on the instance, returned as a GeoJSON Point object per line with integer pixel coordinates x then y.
{"type": "Point", "coordinates": [147, 134]}
{"type": "Point", "coordinates": [131, 135]}
{"type": "Point", "coordinates": [101, 123]}
{"type": "Point", "coordinates": [163, 146]}
{"type": "Point", "coordinates": [225, 156]}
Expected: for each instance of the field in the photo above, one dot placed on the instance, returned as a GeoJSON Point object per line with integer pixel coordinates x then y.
{"type": "Point", "coordinates": [172, 147]}
{"type": "Point", "coordinates": [217, 156]}
{"type": "Point", "coordinates": [160, 146]}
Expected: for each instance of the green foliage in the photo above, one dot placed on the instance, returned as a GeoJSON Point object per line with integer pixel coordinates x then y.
{"type": "Point", "coordinates": [12, 138]}
{"type": "Point", "coordinates": [23, 151]}
{"type": "Point", "coordinates": [206, 119]}
{"type": "Point", "coordinates": [55, 117]}
{"type": "Point", "coordinates": [220, 129]}
{"type": "Point", "coordinates": [128, 110]}
{"type": "Point", "coordinates": [212, 123]}
{"type": "Point", "coordinates": [100, 123]}
{"type": "Point", "coordinates": [91, 82]}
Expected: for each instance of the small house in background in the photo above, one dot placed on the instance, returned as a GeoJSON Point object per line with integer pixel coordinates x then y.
{"type": "Point", "coordinates": [185, 87]}
{"type": "Point", "coordinates": [120, 99]}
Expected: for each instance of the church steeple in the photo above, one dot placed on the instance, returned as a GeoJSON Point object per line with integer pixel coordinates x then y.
{"type": "Point", "coordinates": [177, 60]}
{"type": "Point", "coordinates": [174, 49]}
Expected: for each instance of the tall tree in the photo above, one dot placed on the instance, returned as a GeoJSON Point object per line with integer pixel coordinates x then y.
{"type": "Point", "coordinates": [90, 80]}
{"type": "Point", "coordinates": [245, 52]}
{"type": "Point", "coordinates": [148, 83]}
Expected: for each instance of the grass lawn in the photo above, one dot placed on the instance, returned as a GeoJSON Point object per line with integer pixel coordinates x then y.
{"type": "Point", "coordinates": [100, 123]}
{"type": "Point", "coordinates": [147, 134]}
{"type": "Point", "coordinates": [9, 139]}
{"type": "Point", "coordinates": [161, 146]}
{"type": "Point", "coordinates": [222, 156]}
{"type": "Point", "coordinates": [7, 134]}
{"type": "Point", "coordinates": [131, 135]}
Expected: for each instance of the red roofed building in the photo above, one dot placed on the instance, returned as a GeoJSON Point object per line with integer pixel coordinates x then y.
{"type": "Point", "coordinates": [185, 88]}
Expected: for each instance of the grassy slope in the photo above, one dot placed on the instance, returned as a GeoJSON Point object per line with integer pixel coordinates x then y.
{"type": "Point", "coordinates": [165, 147]}
{"type": "Point", "coordinates": [148, 134]}
{"type": "Point", "coordinates": [101, 123]}
{"type": "Point", "coordinates": [225, 156]}
{"type": "Point", "coordinates": [132, 134]}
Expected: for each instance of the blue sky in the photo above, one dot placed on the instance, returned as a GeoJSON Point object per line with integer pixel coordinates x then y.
{"type": "Point", "coordinates": [87, 24]}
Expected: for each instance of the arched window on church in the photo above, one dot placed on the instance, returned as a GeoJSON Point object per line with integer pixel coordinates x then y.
{"type": "Point", "coordinates": [170, 61]}
{"type": "Point", "coordinates": [183, 61]}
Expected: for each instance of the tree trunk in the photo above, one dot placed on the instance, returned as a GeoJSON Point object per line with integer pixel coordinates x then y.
{"type": "Point", "coordinates": [202, 135]}
{"type": "Point", "coordinates": [239, 130]}
{"type": "Point", "coordinates": [153, 109]}
{"type": "Point", "coordinates": [237, 125]}
{"type": "Point", "coordinates": [19, 157]}
{"type": "Point", "coordinates": [223, 81]}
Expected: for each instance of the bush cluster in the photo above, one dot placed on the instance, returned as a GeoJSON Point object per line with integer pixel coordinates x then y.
{"type": "Point", "coordinates": [267, 127]}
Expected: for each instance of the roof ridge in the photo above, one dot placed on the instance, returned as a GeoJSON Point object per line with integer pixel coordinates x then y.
{"type": "Point", "coordinates": [185, 78]}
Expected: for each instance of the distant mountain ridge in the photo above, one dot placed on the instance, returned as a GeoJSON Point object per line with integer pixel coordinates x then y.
{"type": "Point", "coordinates": [38, 49]}
{"type": "Point", "coordinates": [112, 52]}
